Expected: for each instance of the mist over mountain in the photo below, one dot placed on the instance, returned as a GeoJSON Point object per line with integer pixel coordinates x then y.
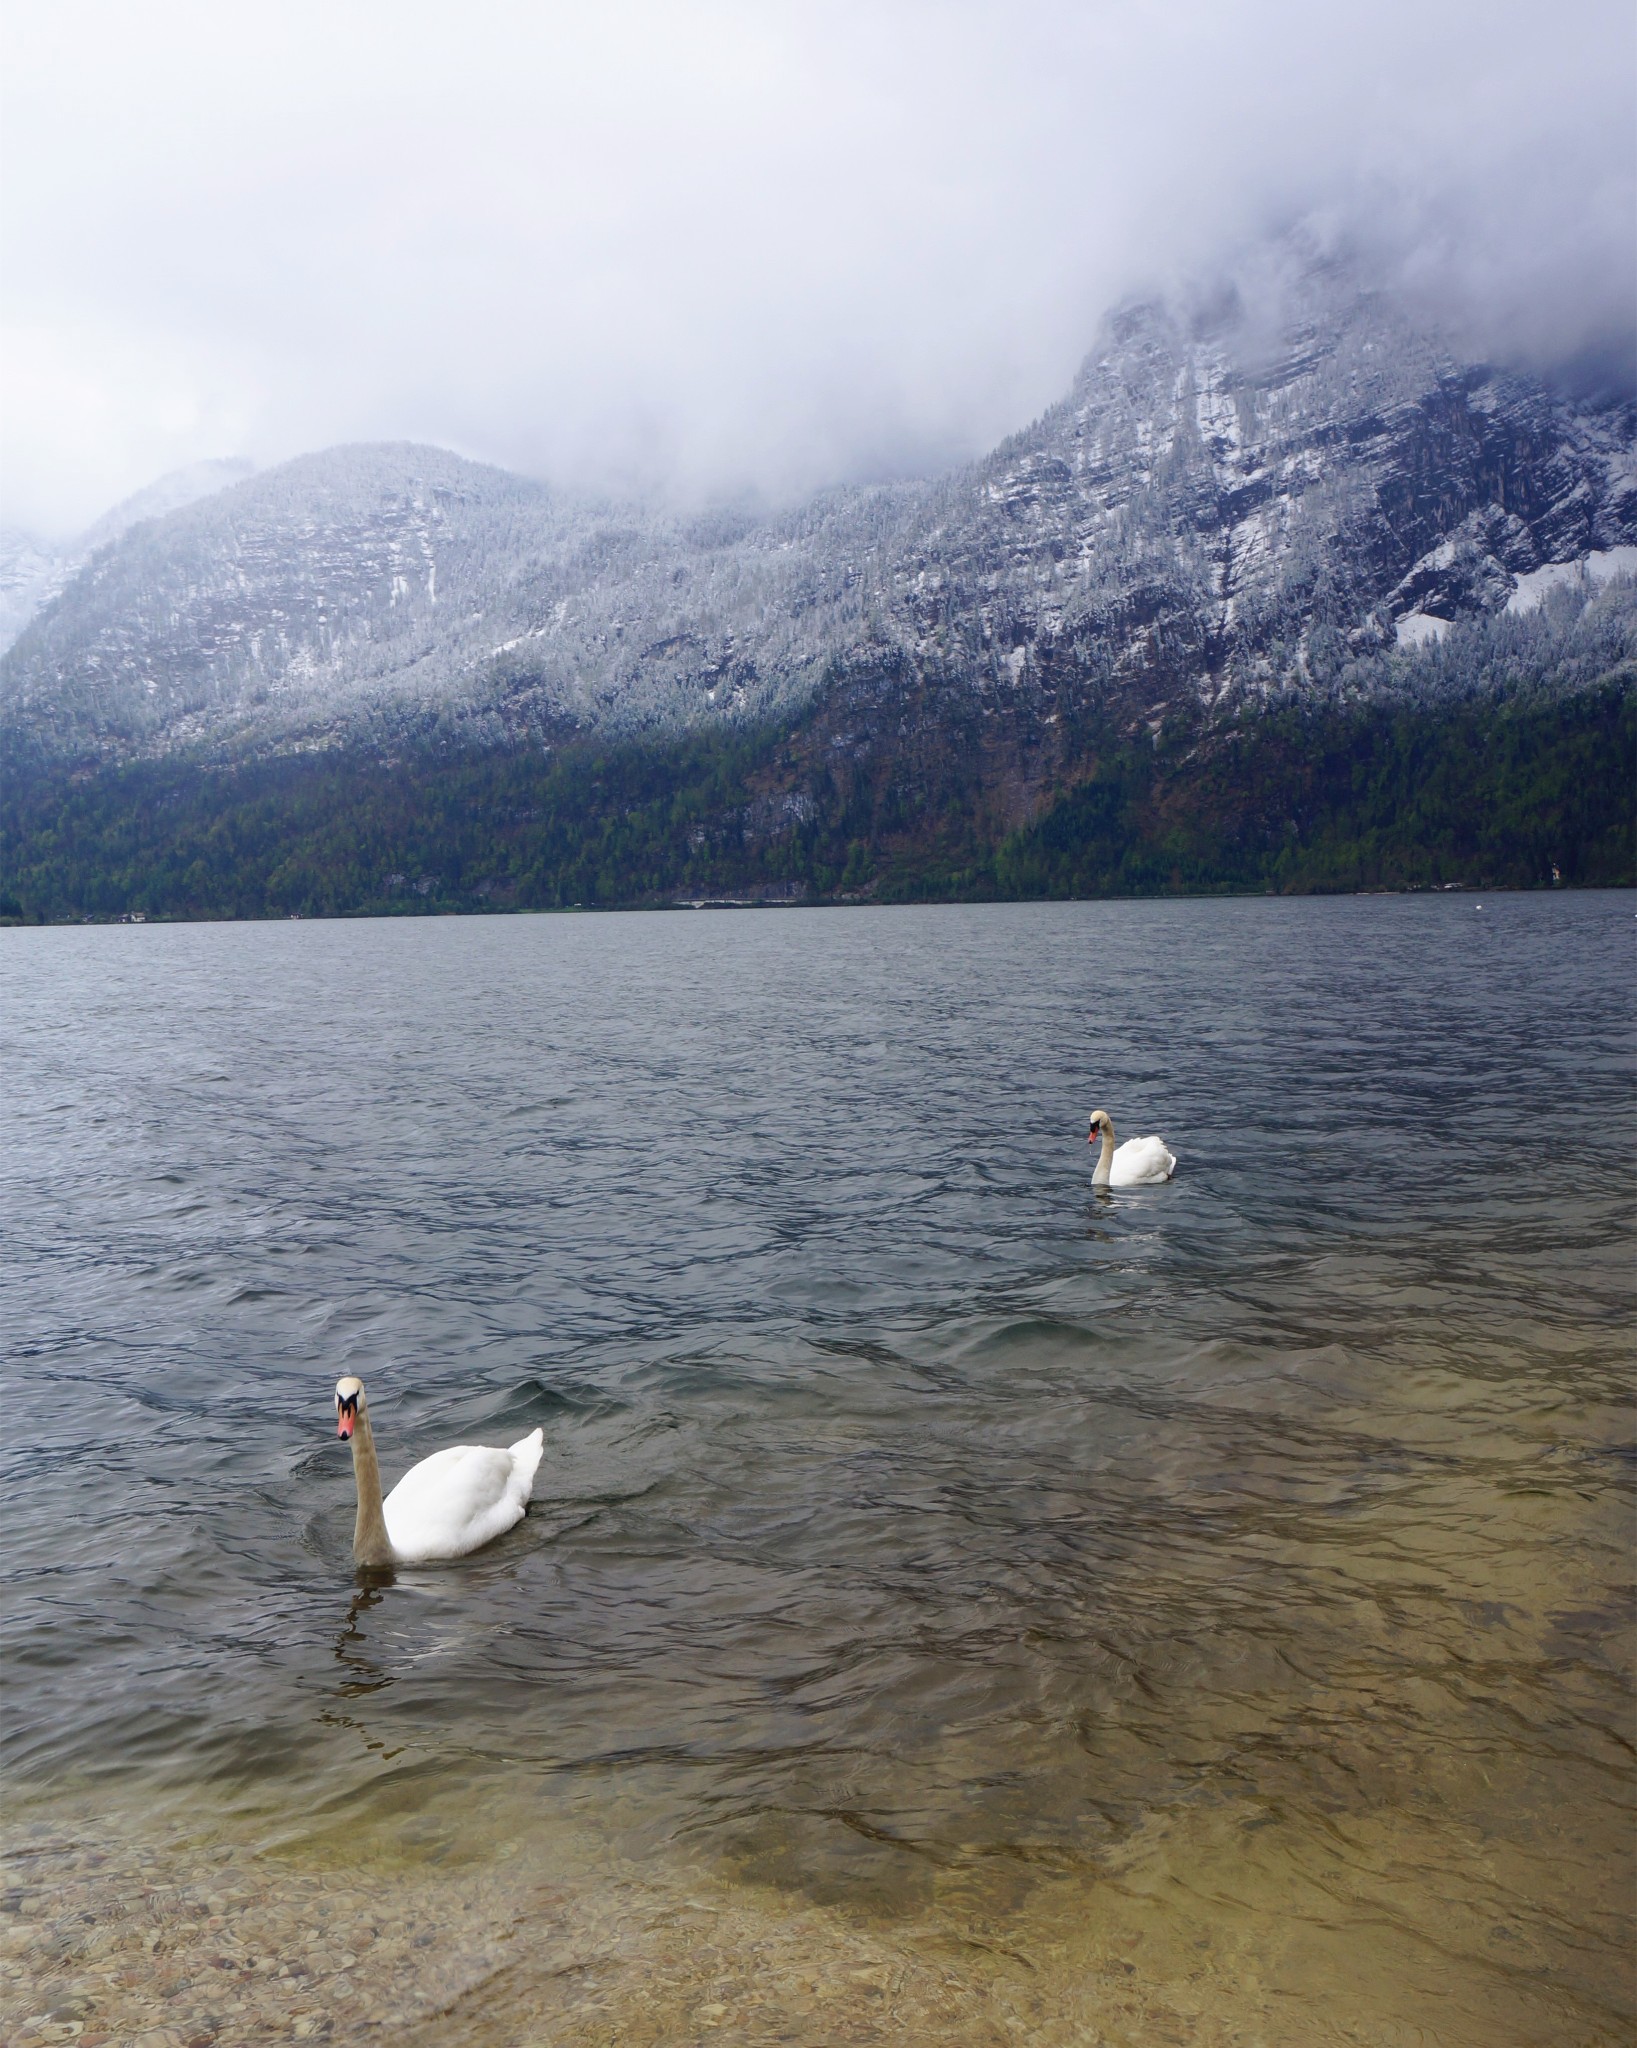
{"type": "Point", "coordinates": [711, 250]}
{"type": "Point", "coordinates": [1238, 497]}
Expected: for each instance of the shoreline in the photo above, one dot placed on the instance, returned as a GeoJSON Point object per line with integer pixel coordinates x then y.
{"type": "Point", "coordinates": [378, 915]}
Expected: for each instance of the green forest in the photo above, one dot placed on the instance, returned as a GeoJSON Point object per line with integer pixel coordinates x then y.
{"type": "Point", "coordinates": [1392, 796]}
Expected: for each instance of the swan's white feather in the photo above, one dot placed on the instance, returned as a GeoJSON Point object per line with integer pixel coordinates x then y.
{"type": "Point", "coordinates": [459, 1499]}
{"type": "Point", "coordinates": [1139, 1161]}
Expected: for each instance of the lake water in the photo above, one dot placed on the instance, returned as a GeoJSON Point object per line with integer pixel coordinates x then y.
{"type": "Point", "coordinates": [958, 1604]}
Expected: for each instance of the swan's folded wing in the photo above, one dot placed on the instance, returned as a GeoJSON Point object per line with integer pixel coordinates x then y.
{"type": "Point", "coordinates": [1140, 1160]}
{"type": "Point", "coordinates": [1164, 1159]}
{"type": "Point", "coordinates": [455, 1501]}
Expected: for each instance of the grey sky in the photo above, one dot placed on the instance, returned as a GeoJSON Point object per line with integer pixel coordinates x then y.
{"type": "Point", "coordinates": [715, 248]}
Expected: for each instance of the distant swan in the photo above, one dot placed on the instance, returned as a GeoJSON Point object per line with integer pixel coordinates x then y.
{"type": "Point", "coordinates": [1139, 1161]}
{"type": "Point", "coordinates": [453, 1502]}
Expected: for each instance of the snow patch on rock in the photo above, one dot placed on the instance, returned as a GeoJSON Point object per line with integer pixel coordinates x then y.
{"type": "Point", "coordinates": [1420, 629]}
{"type": "Point", "coordinates": [1602, 565]}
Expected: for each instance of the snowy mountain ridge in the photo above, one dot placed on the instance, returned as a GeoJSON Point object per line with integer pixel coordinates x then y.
{"type": "Point", "coordinates": [1239, 497]}
{"type": "Point", "coordinates": [33, 570]}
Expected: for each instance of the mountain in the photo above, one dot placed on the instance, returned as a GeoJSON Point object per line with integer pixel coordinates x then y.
{"type": "Point", "coordinates": [1289, 490]}
{"type": "Point", "coordinates": [1239, 493]}
{"type": "Point", "coordinates": [1230, 507]}
{"type": "Point", "coordinates": [358, 593]}
{"type": "Point", "coordinates": [33, 571]}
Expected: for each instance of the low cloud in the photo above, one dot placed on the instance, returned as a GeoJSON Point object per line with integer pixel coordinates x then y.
{"type": "Point", "coordinates": [718, 250]}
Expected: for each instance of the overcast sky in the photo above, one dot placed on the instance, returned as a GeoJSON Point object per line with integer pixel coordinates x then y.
{"type": "Point", "coordinates": [714, 249]}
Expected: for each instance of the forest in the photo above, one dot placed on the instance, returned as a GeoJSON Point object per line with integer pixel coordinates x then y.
{"type": "Point", "coordinates": [1381, 795]}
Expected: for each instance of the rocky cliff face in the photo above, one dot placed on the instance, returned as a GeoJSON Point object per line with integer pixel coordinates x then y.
{"type": "Point", "coordinates": [1240, 496]}
{"type": "Point", "coordinates": [1216, 508]}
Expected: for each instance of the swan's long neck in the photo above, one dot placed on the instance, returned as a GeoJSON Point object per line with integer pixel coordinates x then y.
{"type": "Point", "coordinates": [1105, 1158]}
{"type": "Point", "coordinates": [370, 1542]}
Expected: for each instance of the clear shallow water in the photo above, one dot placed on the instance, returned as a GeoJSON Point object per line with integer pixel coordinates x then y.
{"type": "Point", "coordinates": [1224, 1583]}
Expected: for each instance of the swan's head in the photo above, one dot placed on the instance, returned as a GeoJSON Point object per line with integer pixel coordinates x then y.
{"type": "Point", "coordinates": [1100, 1122]}
{"type": "Point", "coordinates": [349, 1404]}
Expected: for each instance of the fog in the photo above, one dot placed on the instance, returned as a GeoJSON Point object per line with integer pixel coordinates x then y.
{"type": "Point", "coordinates": [739, 250]}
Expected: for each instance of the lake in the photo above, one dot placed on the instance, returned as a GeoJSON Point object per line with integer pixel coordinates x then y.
{"type": "Point", "coordinates": [957, 1604]}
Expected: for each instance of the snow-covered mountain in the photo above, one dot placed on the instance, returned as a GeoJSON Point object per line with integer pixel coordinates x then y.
{"type": "Point", "coordinates": [1246, 491]}
{"type": "Point", "coordinates": [1233, 503]}
{"type": "Point", "coordinates": [33, 570]}
{"type": "Point", "coordinates": [366, 588]}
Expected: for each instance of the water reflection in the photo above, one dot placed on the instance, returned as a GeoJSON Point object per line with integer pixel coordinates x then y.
{"type": "Point", "coordinates": [351, 1652]}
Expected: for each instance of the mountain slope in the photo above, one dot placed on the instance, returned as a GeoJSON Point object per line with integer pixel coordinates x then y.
{"type": "Point", "coordinates": [1526, 792]}
{"type": "Point", "coordinates": [366, 591]}
{"type": "Point", "coordinates": [1239, 496]}
{"type": "Point", "coordinates": [33, 571]}
{"type": "Point", "coordinates": [1217, 508]}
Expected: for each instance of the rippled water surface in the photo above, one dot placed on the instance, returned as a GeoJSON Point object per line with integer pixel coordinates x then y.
{"type": "Point", "coordinates": [1200, 1607]}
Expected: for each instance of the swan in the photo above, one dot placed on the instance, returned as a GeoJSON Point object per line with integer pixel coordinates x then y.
{"type": "Point", "coordinates": [451, 1503]}
{"type": "Point", "coordinates": [1138, 1163]}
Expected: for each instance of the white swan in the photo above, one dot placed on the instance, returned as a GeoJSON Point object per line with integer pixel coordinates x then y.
{"type": "Point", "coordinates": [455, 1501]}
{"type": "Point", "coordinates": [1138, 1163]}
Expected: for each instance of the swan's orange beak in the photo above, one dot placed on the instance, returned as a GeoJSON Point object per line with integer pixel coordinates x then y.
{"type": "Point", "coordinates": [343, 1421]}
